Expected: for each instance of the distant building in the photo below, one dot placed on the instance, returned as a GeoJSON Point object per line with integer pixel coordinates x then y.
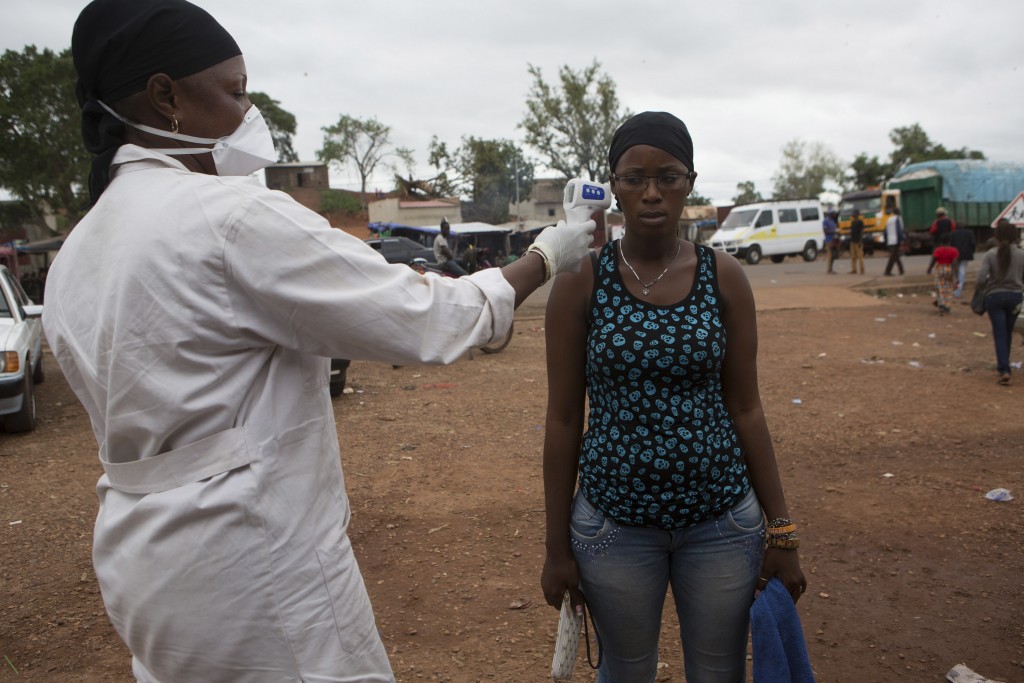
{"type": "Point", "coordinates": [544, 207]}
{"type": "Point", "coordinates": [303, 180]}
{"type": "Point", "coordinates": [417, 212]}
{"type": "Point", "coordinates": [17, 223]}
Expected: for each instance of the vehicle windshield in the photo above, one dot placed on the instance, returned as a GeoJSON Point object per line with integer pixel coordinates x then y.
{"type": "Point", "coordinates": [866, 205]}
{"type": "Point", "coordinates": [739, 219]}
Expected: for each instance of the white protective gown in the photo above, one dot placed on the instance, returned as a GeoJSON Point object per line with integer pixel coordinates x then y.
{"type": "Point", "coordinates": [194, 315]}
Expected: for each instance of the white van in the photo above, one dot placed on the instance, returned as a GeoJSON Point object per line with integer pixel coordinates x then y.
{"type": "Point", "coordinates": [775, 229]}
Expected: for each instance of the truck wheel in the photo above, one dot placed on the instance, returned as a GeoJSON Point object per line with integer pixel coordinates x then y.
{"type": "Point", "coordinates": [754, 255]}
{"type": "Point", "coordinates": [810, 251]}
{"type": "Point", "coordinates": [778, 258]}
{"type": "Point", "coordinates": [25, 419]}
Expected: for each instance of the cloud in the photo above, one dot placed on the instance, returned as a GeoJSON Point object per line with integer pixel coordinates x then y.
{"type": "Point", "coordinates": [746, 77]}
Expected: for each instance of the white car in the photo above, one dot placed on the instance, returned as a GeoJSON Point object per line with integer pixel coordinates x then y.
{"type": "Point", "coordinates": [21, 355]}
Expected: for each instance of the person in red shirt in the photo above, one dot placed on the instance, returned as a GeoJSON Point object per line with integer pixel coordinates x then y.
{"type": "Point", "coordinates": [946, 258]}
{"type": "Point", "coordinates": [942, 225]}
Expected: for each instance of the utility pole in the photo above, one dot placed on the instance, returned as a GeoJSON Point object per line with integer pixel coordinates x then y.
{"type": "Point", "coordinates": [515, 167]}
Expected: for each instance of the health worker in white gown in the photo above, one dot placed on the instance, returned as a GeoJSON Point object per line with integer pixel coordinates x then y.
{"type": "Point", "coordinates": [193, 311]}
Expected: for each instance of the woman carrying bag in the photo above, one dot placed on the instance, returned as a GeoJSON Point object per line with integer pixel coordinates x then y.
{"type": "Point", "coordinates": [676, 471]}
{"type": "Point", "coordinates": [1001, 274]}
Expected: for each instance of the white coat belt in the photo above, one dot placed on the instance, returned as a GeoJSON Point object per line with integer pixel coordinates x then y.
{"type": "Point", "coordinates": [200, 460]}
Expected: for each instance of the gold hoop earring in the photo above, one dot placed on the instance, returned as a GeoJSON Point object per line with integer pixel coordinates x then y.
{"type": "Point", "coordinates": [174, 123]}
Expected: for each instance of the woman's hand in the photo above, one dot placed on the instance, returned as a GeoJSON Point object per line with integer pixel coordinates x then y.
{"type": "Point", "coordinates": [560, 574]}
{"type": "Point", "coordinates": [784, 564]}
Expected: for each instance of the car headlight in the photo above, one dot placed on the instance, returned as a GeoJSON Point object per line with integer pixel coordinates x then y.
{"type": "Point", "coordinates": [9, 362]}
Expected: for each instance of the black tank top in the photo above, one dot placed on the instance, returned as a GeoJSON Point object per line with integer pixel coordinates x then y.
{"type": "Point", "coordinates": [660, 449]}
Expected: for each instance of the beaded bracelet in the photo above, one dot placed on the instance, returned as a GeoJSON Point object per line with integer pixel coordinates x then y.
{"type": "Point", "coordinates": [781, 533]}
{"type": "Point", "coordinates": [783, 543]}
{"type": "Point", "coordinates": [780, 523]}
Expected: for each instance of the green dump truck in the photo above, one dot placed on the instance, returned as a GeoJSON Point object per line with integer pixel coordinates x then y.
{"type": "Point", "coordinates": [972, 192]}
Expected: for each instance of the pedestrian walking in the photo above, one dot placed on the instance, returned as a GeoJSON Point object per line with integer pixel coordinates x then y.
{"type": "Point", "coordinates": [1001, 273]}
{"type": "Point", "coordinates": [962, 239]}
{"type": "Point", "coordinates": [942, 225]}
{"type": "Point", "coordinates": [944, 278]}
{"type": "Point", "coordinates": [895, 238]}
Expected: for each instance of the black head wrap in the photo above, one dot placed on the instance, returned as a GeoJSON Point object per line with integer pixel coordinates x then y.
{"type": "Point", "coordinates": [657, 129]}
{"type": "Point", "coordinates": [117, 45]}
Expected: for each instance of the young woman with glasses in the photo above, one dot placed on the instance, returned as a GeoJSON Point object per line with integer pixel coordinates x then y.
{"type": "Point", "coordinates": [672, 475]}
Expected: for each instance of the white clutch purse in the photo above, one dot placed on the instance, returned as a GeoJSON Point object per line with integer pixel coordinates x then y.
{"type": "Point", "coordinates": [567, 644]}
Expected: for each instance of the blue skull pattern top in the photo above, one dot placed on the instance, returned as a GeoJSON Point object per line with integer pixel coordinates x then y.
{"type": "Point", "coordinates": [660, 449]}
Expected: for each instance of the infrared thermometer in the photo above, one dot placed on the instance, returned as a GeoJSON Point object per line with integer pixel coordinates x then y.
{"type": "Point", "coordinates": [584, 197]}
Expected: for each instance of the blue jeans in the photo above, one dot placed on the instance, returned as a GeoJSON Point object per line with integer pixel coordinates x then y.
{"type": "Point", "coordinates": [999, 306]}
{"type": "Point", "coordinates": [453, 268]}
{"type": "Point", "coordinates": [625, 572]}
{"type": "Point", "coordinates": [961, 277]}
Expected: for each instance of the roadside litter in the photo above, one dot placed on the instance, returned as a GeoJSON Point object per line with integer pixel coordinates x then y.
{"type": "Point", "coordinates": [999, 495]}
{"type": "Point", "coordinates": [961, 674]}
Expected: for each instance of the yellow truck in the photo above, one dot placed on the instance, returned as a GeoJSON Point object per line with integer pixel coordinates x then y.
{"type": "Point", "coordinates": [875, 205]}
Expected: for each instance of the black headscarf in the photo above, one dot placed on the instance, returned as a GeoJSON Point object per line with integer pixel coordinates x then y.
{"type": "Point", "coordinates": [657, 129]}
{"type": "Point", "coordinates": [117, 45]}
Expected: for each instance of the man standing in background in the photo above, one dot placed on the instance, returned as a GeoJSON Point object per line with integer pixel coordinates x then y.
{"type": "Point", "coordinates": [894, 238]}
{"type": "Point", "coordinates": [856, 243]}
{"type": "Point", "coordinates": [831, 229]}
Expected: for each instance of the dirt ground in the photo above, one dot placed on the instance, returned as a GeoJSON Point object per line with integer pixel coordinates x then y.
{"type": "Point", "coordinates": [889, 429]}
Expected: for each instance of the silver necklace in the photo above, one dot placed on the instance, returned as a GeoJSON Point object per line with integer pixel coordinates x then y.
{"type": "Point", "coordinates": [647, 285]}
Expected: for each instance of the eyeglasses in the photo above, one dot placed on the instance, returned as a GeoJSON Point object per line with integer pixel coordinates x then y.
{"type": "Point", "coordinates": [667, 182]}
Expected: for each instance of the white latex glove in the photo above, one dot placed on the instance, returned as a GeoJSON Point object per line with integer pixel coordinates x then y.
{"type": "Point", "coordinates": [565, 245]}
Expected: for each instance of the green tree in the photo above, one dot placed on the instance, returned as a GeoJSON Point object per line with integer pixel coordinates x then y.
{"type": "Point", "coordinates": [867, 171]}
{"type": "Point", "coordinates": [912, 144]}
{"type": "Point", "coordinates": [571, 124]}
{"type": "Point", "coordinates": [746, 193]}
{"type": "Point", "coordinates": [363, 143]}
{"type": "Point", "coordinates": [42, 159]}
{"type": "Point", "coordinates": [492, 173]}
{"type": "Point", "coordinates": [280, 122]}
{"type": "Point", "coordinates": [805, 169]}
{"type": "Point", "coordinates": [697, 199]}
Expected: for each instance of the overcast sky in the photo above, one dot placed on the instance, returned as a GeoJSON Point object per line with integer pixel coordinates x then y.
{"type": "Point", "coordinates": [746, 77]}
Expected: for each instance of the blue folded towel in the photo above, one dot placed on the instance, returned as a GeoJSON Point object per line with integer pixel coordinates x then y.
{"type": "Point", "coordinates": [780, 653]}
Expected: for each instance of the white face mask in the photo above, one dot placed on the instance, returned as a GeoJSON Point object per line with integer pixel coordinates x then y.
{"type": "Point", "coordinates": [245, 151]}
